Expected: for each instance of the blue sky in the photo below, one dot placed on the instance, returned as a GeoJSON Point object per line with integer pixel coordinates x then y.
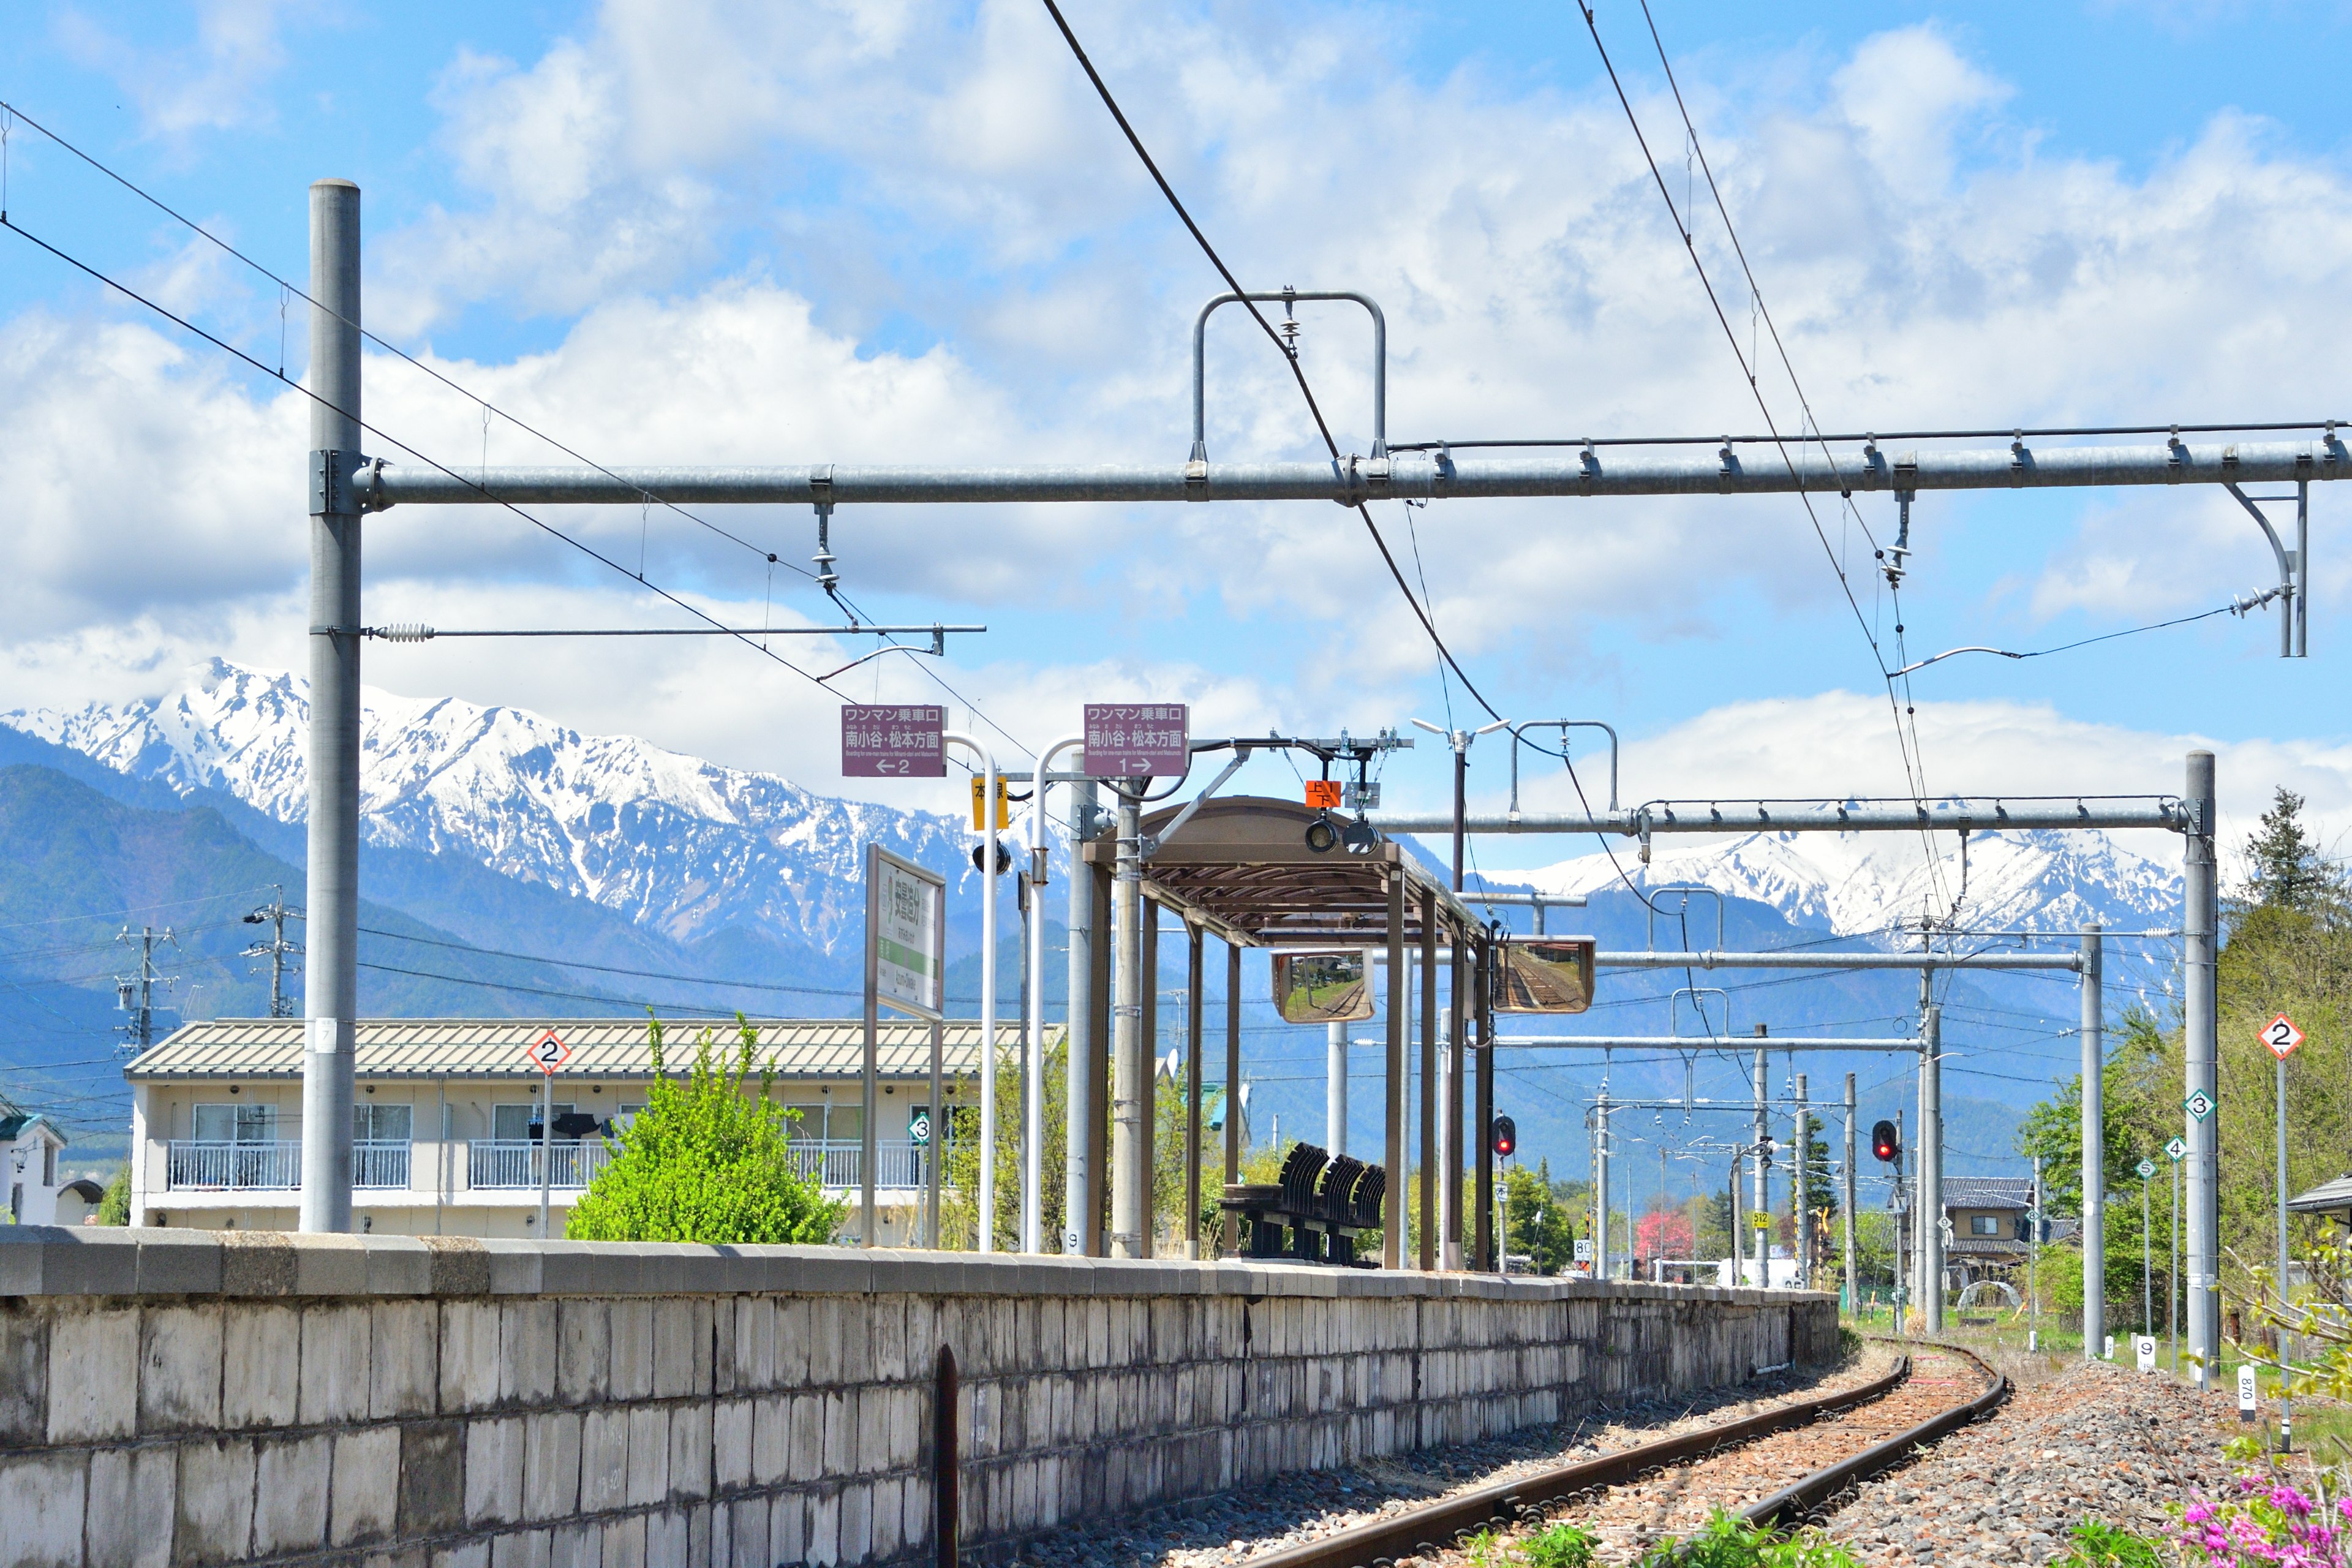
{"type": "Point", "coordinates": [906, 232]}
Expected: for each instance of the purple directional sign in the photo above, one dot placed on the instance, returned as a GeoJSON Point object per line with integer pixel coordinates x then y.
{"type": "Point", "coordinates": [893, 743]}
{"type": "Point", "coordinates": [1131, 740]}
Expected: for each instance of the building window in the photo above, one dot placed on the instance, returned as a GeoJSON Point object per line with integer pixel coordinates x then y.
{"type": "Point", "coordinates": [1984, 1224]}
{"type": "Point", "coordinates": [513, 1123]}
{"type": "Point", "coordinates": [381, 1123]}
{"type": "Point", "coordinates": [48, 1164]}
{"type": "Point", "coordinates": [238, 1124]}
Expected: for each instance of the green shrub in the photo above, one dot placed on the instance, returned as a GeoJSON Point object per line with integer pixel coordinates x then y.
{"type": "Point", "coordinates": [1728, 1540]}
{"type": "Point", "coordinates": [2098, 1545]}
{"type": "Point", "coordinates": [114, 1208]}
{"type": "Point", "coordinates": [706, 1162]}
{"type": "Point", "coordinates": [1562, 1546]}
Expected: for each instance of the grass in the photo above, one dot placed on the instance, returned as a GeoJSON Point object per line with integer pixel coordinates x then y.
{"type": "Point", "coordinates": [1728, 1540]}
{"type": "Point", "coordinates": [2098, 1545]}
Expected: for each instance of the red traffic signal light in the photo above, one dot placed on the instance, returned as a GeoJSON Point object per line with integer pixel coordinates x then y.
{"type": "Point", "coordinates": [1883, 1142]}
{"type": "Point", "coordinates": [1504, 1137]}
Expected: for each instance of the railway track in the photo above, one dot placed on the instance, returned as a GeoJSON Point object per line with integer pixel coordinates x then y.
{"type": "Point", "coordinates": [1772, 1467]}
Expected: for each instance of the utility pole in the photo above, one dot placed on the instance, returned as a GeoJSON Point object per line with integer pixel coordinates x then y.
{"type": "Point", "coordinates": [330, 994]}
{"type": "Point", "coordinates": [1804, 1189]}
{"type": "Point", "coordinates": [1131, 1081]}
{"type": "Point", "coordinates": [2199, 937]}
{"type": "Point", "coordinates": [2033, 1263]}
{"type": "Point", "coordinates": [1762, 1220]}
{"type": "Point", "coordinates": [1853, 1294]}
{"type": "Point", "coordinates": [2095, 1149]}
{"type": "Point", "coordinates": [1084, 1055]}
{"type": "Point", "coordinates": [1931, 1160]}
{"type": "Point", "coordinates": [136, 994]}
{"type": "Point", "coordinates": [275, 914]}
{"type": "Point", "coordinates": [1601, 1186]}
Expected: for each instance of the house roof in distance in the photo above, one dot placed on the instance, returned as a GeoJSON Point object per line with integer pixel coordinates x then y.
{"type": "Point", "coordinates": [1988, 1193]}
{"type": "Point", "coordinates": [805, 1048]}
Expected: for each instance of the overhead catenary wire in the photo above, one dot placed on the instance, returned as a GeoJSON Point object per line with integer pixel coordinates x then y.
{"type": "Point", "coordinates": [289, 288]}
{"type": "Point", "coordinates": [1907, 743]}
{"type": "Point", "coordinates": [1298, 373]}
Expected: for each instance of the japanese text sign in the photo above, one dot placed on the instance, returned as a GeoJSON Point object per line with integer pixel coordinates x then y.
{"type": "Point", "coordinates": [893, 743]}
{"type": "Point", "coordinates": [1125, 741]}
{"type": "Point", "coordinates": [906, 911]}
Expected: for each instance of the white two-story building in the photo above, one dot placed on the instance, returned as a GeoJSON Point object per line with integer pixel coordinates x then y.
{"type": "Point", "coordinates": [448, 1130]}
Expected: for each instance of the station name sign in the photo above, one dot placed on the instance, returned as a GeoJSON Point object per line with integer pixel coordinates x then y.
{"type": "Point", "coordinates": [1138, 740]}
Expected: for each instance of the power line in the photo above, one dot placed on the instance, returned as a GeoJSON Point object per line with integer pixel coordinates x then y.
{"type": "Point", "coordinates": [649, 496]}
{"type": "Point", "coordinates": [1298, 372]}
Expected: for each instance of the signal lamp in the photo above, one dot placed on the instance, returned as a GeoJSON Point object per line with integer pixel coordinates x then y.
{"type": "Point", "coordinates": [1321, 836]}
{"type": "Point", "coordinates": [1504, 1137]}
{"type": "Point", "coordinates": [1883, 1142]}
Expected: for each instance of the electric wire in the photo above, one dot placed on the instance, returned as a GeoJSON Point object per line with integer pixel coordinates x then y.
{"type": "Point", "coordinates": [1298, 373]}
{"type": "Point", "coordinates": [2017, 433]}
{"type": "Point", "coordinates": [1914, 766]}
{"type": "Point", "coordinates": [488, 407]}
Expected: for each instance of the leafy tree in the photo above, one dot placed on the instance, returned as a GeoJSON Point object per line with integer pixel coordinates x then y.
{"type": "Point", "coordinates": [1540, 1224]}
{"type": "Point", "coordinates": [959, 1176]}
{"type": "Point", "coordinates": [706, 1162]}
{"type": "Point", "coordinates": [1664, 1233]}
{"type": "Point", "coordinates": [114, 1208]}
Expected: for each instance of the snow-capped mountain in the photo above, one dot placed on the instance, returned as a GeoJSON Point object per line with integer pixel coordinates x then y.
{"type": "Point", "coordinates": [1873, 884]}
{"type": "Point", "coordinates": [677, 844]}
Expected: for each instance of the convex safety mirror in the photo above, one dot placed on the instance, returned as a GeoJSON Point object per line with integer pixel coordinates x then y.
{"type": "Point", "coordinates": [1321, 988]}
{"type": "Point", "coordinates": [1544, 974]}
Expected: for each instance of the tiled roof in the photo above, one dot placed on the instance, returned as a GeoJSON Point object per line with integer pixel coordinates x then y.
{"type": "Point", "coordinates": [19, 1122]}
{"type": "Point", "coordinates": [601, 1047]}
{"type": "Point", "coordinates": [2324, 1198]}
{"type": "Point", "coordinates": [1988, 1193]}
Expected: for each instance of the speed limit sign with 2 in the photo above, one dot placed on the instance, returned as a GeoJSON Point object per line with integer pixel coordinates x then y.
{"type": "Point", "coordinates": [548, 1052]}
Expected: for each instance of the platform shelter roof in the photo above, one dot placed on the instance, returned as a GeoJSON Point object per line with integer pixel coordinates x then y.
{"type": "Point", "coordinates": [1242, 867]}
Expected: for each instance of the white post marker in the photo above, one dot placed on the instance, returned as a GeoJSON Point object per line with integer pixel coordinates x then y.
{"type": "Point", "coordinates": [2110, 1351]}
{"type": "Point", "coordinates": [547, 1053]}
{"type": "Point", "coordinates": [2144, 1349]}
{"type": "Point", "coordinates": [2248, 1394]}
{"type": "Point", "coordinates": [2281, 1036]}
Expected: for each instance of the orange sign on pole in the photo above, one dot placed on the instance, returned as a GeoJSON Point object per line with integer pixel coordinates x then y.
{"type": "Point", "coordinates": [1323, 795]}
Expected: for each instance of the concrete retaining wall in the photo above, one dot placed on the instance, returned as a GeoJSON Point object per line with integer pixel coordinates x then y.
{"type": "Point", "coordinates": [176, 1397]}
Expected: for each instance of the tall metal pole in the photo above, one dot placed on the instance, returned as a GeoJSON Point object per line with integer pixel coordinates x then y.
{"type": "Point", "coordinates": [1335, 1081]}
{"type": "Point", "coordinates": [1456, 1026]}
{"type": "Point", "coordinates": [2199, 937]}
{"type": "Point", "coordinates": [1804, 1188]}
{"type": "Point", "coordinates": [1761, 1201]}
{"type": "Point", "coordinates": [1193, 1064]}
{"type": "Point", "coordinates": [2094, 1148]}
{"type": "Point", "coordinates": [1430, 1152]}
{"type": "Point", "coordinates": [2286, 1419]}
{"type": "Point", "coordinates": [1392, 1088]}
{"type": "Point", "coordinates": [331, 995]}
{"type": "Point", "coordinates": [1233, 1166]}
{"type": "Point", "coordinates": [2034, 1264]}
{"type": "Point", "coordinates": [546, 1149]}
{"type": "Point", "coordinates": [869, 1077]}
{"type": "Point", "coordinates": [935, 1155]}
{"type": "Point", "coordinates": [1931, 1168]}
{"type": "Point", "coordinates": [1483, 1117]}
{"type": "Point", "coordinates": [1084, 1050]}
{"type": "Point", "coordinates": [2146, 1262]}
{"type": "Point", "coordinates": [1130, 1053]}
{"type": "Point", "coordinates": [1853, 1292]}
{"type": "Point", "coordinates": [1601, 1184]}
{"type": "Point", "coordinates": [2172, 1283]}
{"type": "Point", "coordinates": [988, 1128]}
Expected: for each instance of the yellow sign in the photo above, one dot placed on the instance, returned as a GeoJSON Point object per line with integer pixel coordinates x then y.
{"type": "Point", "coordinates": [1003, 807]}
{"type": "Point", "coordinates": [1759, 1220]}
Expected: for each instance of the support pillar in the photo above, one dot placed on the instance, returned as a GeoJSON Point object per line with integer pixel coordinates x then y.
{"type": "Point", "coordinates": [1147, 1174]}
{"type": "Point", "coordinates": [1601, 1184]}
{"type": "Point", "coordinates": [330, 982]}
{"type": "Point", "coordinates": [2200, 940]}
{"type": "Point", "coordinates": [1430, 1151]}
{"type": "Point", "coordinates": [2094, 1148]}
{"type": "Point", "coordinates": [1101, 1058]}
{"type": "Point", "coordinates": [1335, 1082]}
{"type": "Point", "coordinates": [1393, 1152]}
{"type": "Point", "coordinates": [1485, 1117]}
{"type": "Point", "coordinates": [1130, 1049]}
{"type": "Point", "coordinates": [1232, 1222]}
{"type": "Point", "coordinates": [1456, 1021]}
{"type": "Point", "coordinates": [1192, 1090]}
{"type": "Point", "coordinates": [1802, 1176]}
{"type": "Point", "coordinates": [1082, 1043]}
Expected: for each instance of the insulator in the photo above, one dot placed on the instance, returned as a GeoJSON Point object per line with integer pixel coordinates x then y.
{"type": "Point", "coordinates": [406, 631]}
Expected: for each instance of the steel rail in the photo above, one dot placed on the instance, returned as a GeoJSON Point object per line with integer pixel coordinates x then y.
{"type": "Point", "coordinates": [1422, 1531]}
{"type": "Point", "coordinates": [1354, 481]}
{"type": "Point", "coordinates": [1807, 1496]}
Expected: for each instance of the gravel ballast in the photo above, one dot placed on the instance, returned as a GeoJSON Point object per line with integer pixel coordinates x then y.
{"type": "Point", "coordinates": [2095, 1441]}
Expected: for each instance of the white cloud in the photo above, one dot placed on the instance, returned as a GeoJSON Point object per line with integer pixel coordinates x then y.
{"type": "Point", "coordinates": [212, 85]}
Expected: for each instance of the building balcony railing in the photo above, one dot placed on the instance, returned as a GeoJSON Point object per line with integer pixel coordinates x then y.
{"type": "Point", "coordinates": [275, 1164]}
{"type": "Point", "coordinates": [511, 1162]}
{"type": "Point", "coordinates": [494, 1164]}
